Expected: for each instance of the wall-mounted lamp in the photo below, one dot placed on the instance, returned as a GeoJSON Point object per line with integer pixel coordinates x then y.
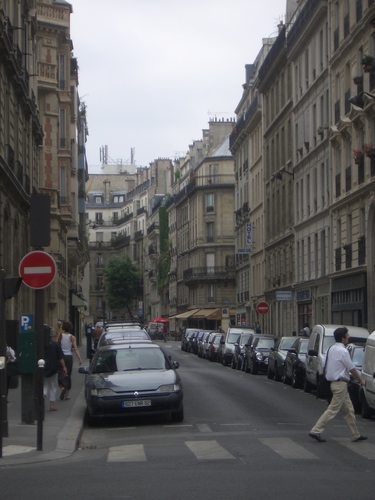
{"type": "Point", "coordinates": [279, 174]}
{"type": "Point", "coordinates": [91, 224]}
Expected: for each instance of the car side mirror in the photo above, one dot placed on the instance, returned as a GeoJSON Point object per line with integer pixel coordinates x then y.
{"type": "Point", "coordinates": [175, 364]}
{"type": "Point", "coordinates": [312, 352]}
{"type": "Point", "coordinates": [222, 342]}
{"type": "Point", "coordinates": [83, 370]}
{"type": "Point", "coordinates": [373, 375]}
{"type": "Point", "coordinates": [272, 348]}
{"type": "Point", "coordinates": [292, 350]}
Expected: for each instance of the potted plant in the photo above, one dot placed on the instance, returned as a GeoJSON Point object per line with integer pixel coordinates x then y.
{"type": "Point", "coordinates": [320, 130]}
{"type": "Point", "coordinates": [358, 79]}
{"type": "Point", "coordinates": [369, 149]}
{"type": "Point", "coordinates": [357, 155]}
{"type": "Point", "coordinates": [367, 63]}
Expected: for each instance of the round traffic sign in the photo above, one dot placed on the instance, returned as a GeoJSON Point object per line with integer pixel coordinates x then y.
{"type": "Point", "coordinates": [37, 269]}
{"type": "Point", "coordinates": [263, 307]}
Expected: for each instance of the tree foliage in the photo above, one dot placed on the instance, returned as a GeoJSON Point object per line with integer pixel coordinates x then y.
{"type": "Point", "coordinates": [122, 283]}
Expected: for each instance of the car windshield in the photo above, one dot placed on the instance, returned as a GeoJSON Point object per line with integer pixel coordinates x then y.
{"type": "Point", "coordinates": [244, 338]}
{"type": "Point", "coordinates": [130, 359]}
{"type": "Point", "coordinates": [216, 340]}
{"type": "Point", "coordinates": [286, 344]}
{"type": "Point", "coordinates": [358, 356]}
{"type": "Point", "coordinates": [303, 346]}
{"type": "Point", "coordinates": [265, 343]}
{"type": "Point", "coordinates": [233, 337]}
{"type": "Point", "coordinates": [327, 342]}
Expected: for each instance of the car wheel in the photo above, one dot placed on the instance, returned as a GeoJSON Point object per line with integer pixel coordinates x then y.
{"type": "Point", "coordinates": [224, 362]}
{"type": "Point", "coordinates": [254, 369]}
{"type": "Point", "coordinates": [178, 416]}
{"type": "Point", "coordinates": [366, 411]}
{"type": "Point", "coordinates": [270, 374]}
{"type": "Point", "coordinates": [307, 386]}
{"type": "Point", "coordinates": [277, 375]}
{"type": "Point", "coordinates": [239, 364]}
{"type": "Point", "coordinates": [246, 366]}
{"type": "Point", "coordinates": [295, 383]}
{"type": "Point", "coordinates": [91, 421]}
{"type": "Point", "coordinates": [286, 378]}
{"type": "Point", "coordinates": [233, 364]}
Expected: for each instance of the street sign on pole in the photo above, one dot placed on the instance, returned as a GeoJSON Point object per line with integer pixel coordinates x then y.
{"type": "Point", "coordinates": [37, 269]}
{"type": "Point", "coordinates": [263, 307]}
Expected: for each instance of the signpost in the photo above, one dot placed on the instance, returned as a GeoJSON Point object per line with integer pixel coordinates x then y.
{"type": "Point", "coordinates": [262, 307]}
{"type": "Point", "coordinates": [37, 269]}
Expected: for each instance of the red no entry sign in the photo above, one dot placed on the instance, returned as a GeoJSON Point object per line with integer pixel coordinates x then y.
{"type": "Point", "coordinates": [263, 307]}
{"type": "Point", "coordinates": [37, 269]}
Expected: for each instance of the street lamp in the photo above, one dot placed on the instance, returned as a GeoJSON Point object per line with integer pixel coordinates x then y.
{"type": "Point", "coordinates": [279, 174]}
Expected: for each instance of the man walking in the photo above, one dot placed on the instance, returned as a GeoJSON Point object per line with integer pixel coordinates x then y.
{"type": "Point", "coordinates": [338, 366]}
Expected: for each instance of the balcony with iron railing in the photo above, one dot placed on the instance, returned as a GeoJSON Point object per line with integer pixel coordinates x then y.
{"type": "Point", "coordinates": [208, 273]}
{"type": "Point", "coordinates": [138, 235]}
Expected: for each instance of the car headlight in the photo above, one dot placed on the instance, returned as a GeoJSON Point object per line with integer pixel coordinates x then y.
{"type": "Point", "coordinates": [100, 393]}
{"type": "Point", "coordinates": [259, 356]}
{"type": "Point", "coordinates": [169, 388]}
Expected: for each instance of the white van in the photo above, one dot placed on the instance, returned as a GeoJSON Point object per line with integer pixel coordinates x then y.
{"type": "Point", "coordinates": [321, 338]}
{"type": "Point", "coordinates": [367, 393]}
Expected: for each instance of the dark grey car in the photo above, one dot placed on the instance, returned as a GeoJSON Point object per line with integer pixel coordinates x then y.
{"type": "Point", "coordinates": [132, 379]}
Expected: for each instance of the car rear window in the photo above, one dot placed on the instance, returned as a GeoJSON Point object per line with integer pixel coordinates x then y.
{"type": "Point", "coordinates": [265, 343]}
{"type": "Point", "coordinates": [130, 359]}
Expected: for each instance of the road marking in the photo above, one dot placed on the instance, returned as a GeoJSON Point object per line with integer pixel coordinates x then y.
{"type": "Point", "coordinates": [127, 453]}
{"type": "Point", "coordinates": [204, 428]}
{"type": "Point", "coordinates": [287, 448]}
{"type": "Point", "coordinates": [365, 449]}
{"type": "Point", "coordinates": [233, 424]}
{"type": "Point", "coordinates": [208, 450]}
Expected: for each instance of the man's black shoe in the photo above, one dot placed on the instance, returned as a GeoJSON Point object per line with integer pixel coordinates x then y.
{"type": "Point", "coordinates": [360, 438]}
{"type": "Point", "coordinates": [317, 437]}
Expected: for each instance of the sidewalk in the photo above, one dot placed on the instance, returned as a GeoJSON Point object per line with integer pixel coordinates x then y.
{"type": "Point", "coordinates": [61, 429]}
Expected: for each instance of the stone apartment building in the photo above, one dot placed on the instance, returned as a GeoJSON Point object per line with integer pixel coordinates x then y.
{"type": "Point", "coordinates": [315, 95]}
{"type": "Point", "coordinates": [42, 147]}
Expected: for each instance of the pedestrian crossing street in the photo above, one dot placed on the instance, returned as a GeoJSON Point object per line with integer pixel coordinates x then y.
{"type": "Point", "coordinates": [210, 449]}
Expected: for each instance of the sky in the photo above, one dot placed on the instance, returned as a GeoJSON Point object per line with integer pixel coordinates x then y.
{"type": "Point", "coordinates": [153, 72]}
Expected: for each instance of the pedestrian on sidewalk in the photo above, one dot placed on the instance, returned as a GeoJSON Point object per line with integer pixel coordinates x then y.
{"type": "Point", "coordinates": [68, 345]}
{"type": "Point", "coordinates": [338, 365]}
{"type": "Point", "coordinates": [54, 359]}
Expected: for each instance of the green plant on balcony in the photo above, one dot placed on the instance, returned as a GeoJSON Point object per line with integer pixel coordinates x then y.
{"type": "Point", "coordinates": [358, 155]}
{"type": "Point", "coordinates": [367, 63]}
{"type": "Point", "coordinates": [320, 130]}
{"type": "Point", "coordinates": [369, 149]}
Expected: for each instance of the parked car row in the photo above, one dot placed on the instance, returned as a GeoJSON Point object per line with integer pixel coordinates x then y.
{"type": "Point", "coordinates": [298, 361]}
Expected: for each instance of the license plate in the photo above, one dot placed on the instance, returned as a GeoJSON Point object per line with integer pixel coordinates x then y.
{"type": "Point", "coordinates": [136, 403]}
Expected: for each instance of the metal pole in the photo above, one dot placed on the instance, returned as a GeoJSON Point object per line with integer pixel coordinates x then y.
{"type": "Point", "coordinates": [40, 400]}
{"type": "Point", "coordinates": [40, 341]}
{"type": "Point", "coordinates": [1, 404]}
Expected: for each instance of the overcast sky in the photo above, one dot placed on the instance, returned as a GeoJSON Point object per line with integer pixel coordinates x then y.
{"type": "Point", "coordinates": [152, 72]}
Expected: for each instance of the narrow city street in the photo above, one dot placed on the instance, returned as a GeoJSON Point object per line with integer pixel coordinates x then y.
{"type": "Point", "coordinates": [243, 436]}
